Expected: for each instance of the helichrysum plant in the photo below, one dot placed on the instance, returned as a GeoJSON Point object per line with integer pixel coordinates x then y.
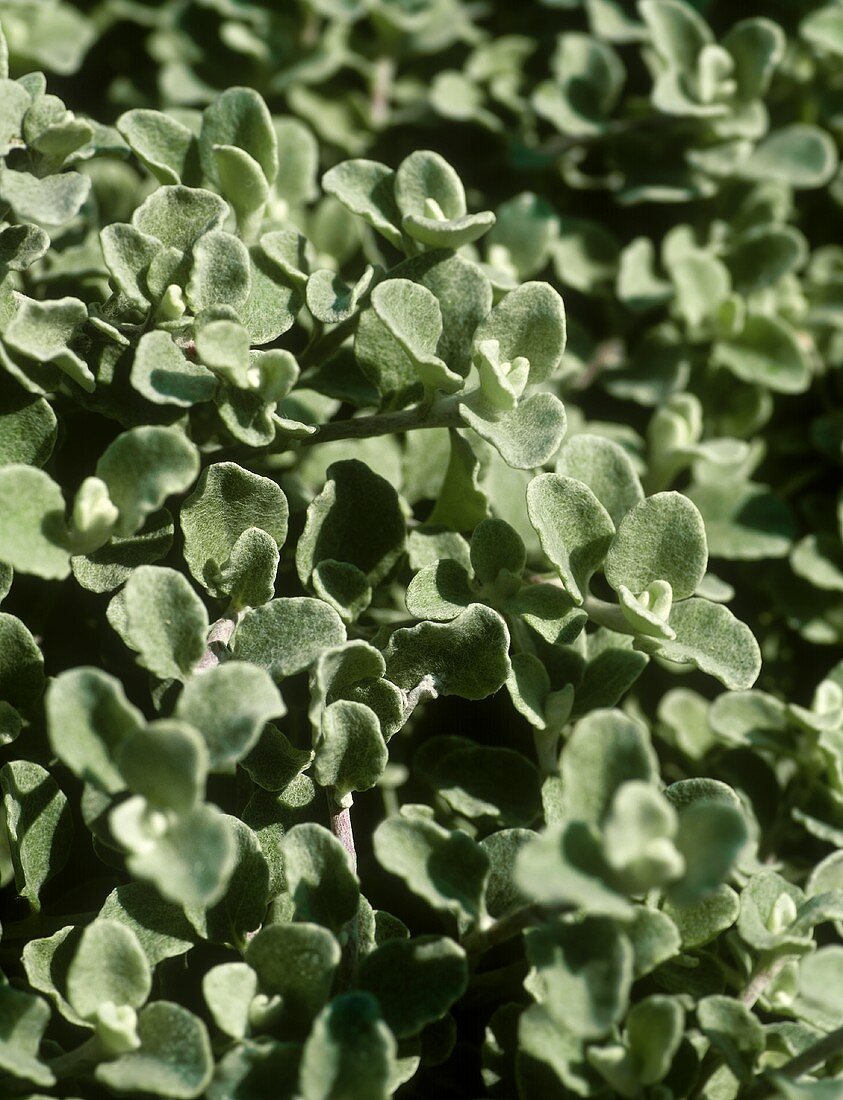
{"type": "Point", "coordinates": [420, 550]}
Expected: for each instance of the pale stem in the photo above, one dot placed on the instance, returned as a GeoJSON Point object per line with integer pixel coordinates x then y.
{"type": "Point", "coordinates": [218, 638]}
{"type": "Point", "coordinates": [444, 414]}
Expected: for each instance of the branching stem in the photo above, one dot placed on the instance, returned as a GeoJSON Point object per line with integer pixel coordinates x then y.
{"type": "Point", "coordinates": [443, 414]}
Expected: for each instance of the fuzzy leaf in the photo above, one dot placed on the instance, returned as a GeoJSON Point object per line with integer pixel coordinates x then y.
{"type": "Point", "coordinates": [415, 981]}
{"type": "Point", "coordinates": [526, 437]}
{"type": "Point", "coordinates": [709, 637]}
{"type": "Point", "coordinates": [33, 536]}
{"type": "Point", "coordinates": [574, 528]}
{"type": "Point", "coordinates": [179, 1070]}
{"type": "Point", "coordinates": [144, 466]}
{"type": "Point", "coordinates": [356, 519]}
{"type": "Point", "coordinates": [661, 538]}
{"type": "Point", "coordinates": [350, 752]}
{"type": "Point", "coordinates": [39, 825]}
{"type": "Point", "coordinates": [447, 869]}
{"type": "Point", "coordinates": [108, 965]}
{"type": "Point", "coordinates": [285, 636]}
{"type": "Point", "coordinates": [166, 621]}
{"type": "Point", "coordinates": [164, 375]}
{"type": "Point", "coordinates": [89, 719]}
{"type": "Point", "coordinates": [606, 468]}
{"type": "Point", "coordinates": [466, 657]}
{"type": "Point", "coordinates": [320, 880]}
{"type": "Point", "coordinates": [226, 502]}
{"type": "Point", "coordinates": [350, 1052]}
{"type": "Point", "coordinates": [296, 962]}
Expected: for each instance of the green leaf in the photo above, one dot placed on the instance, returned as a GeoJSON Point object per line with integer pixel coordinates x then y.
{"type": "Point", "coordinates": [320, 880]}
{"type": "Point", "coordinates": [24, 1021]}
{"type": "Point", "coordinates": [350, 752]}
{"type": "Point", "coordinates": [357, 519]}
{"type": "Point", "coordinates": [330, 300]}
{"type": "Point", "coordinates": [589, 79]}
{"type": "Point", "coordinates": [440, 591]}
{"type": "Point", "coordinates": [819, 983]}
{"type": "Point", "coordinates": [160, 926]}
{"type": "Point", "coordinates": [733, 1031]}
{"type": "Point", "coordinates": [466, 657]}
{"type": "Point", "coordinates": [108, 966]}
{"type": "Point", "coordinates": [584, 973]}
{"type": "Point", "coordinates": [221, 273]}
{"type": "Point", "coordinates": [481, 781]}
{"type": "Point", "coordinates": [239, 117]}
{"type": "Point", "coordinates": [192, 862]}
{"type": "Point", "coordinates": [606, 468]}
{"type": "Point", "coordinates": [574, 528]}
{"type": "Point", "coordinates": [709, 637]}
{"type": "Point", "coordinates": [241, 907]}
{"type": "Point", "coordinates": [50, 201]}
{"type": "Point", "coordinates": [89, 719]}
{"type": "Point", "coordinates": [495, 546]}
{"type": "Point", "coordinates": [528, 322]}
{"type": "Point", "coordinates": [411, 315]}
{"type": "Point", "coordinates": [161, 143]}
{"type": "Point", "coordinates": [227, 501]}
{"type": "Point", "coordinates": [44, 331]}
{"type": "Point", "coordinates": [769, 905]}
{"type": "Point", "coordinates": [461, 503]}
{"type": "Point", "coordinates": [350, 1052]}
{"type": "Point", "coordinates": [605, 750]}
{"type": "Point", "coordinates": [229, 989]}
{"type": "Point", "coordinates": [285, 636]}
{"type": "Point", "coordinates": [710, 837]}
{"type": "Point", "coordinates": [164, 375]}
{"type": "Point", "coordinates": [39, 825]}
{"type": "Point", "coordinates": [799, 155]}
{"type": "Point", "coordinates": [230, 705]}
{"type": "Point", "coordinates": [179, 1070]}
{"type": "Point", "coordinates": [21, 664]}
{"type": "Point", "coordinates": [128, 254]}
{"type": "Point", "coordinates": [366, 188]}
{"type": "Point", "coordinates": [661, 538]}
{"type": "Point", "coordinates": [447, 869]}
{"type": "Point", "coordinates": [432, 203]}
{"type": "Point", "coordinates": [765, 352]}
{"type": "Point", "coordinates": [702, 921]}
{"type": "Point", "coordinates": [526, 437]}
{"type": "Point", "coordinates": [20, 247]}
{"type": "Point", "coordinates": [243, 185]}
{"type": "Point", "coordinates": [178, 216]}
{"type": "Point", "coordinates": [166, 763]}
{"type": "Point", "coordinates": [296, 962]}
{"type": "Point", "coordinates": [415, 981]}
{"type": "Point", "coordinates": [111, 566]}
{"type": "Point", "coordinates": [166, 621]}
{"type": "Point", "coordinates": [144, 466]}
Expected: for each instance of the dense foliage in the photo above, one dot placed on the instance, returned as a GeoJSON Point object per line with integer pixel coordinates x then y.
{"type": "Point", "coordinates": [374, 716]}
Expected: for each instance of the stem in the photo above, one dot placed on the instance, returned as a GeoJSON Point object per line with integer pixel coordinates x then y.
{"type": "Point", "coordinates": [445, 414]}
{"type": "Point", "coordinates": [323, 347]}
{"type": "Point", "coordinates": [384, 71]}
{"type": "Point", "coordinates": [814, 1057]}
{"type": "Point", "coordinates": [218, 637]}
{"type": "Point", "coordinates": [343, 831]}
{"type": "Point", "coordinates": [424, 689]}
{"type": "Point", "coordinates": [80, 1059]}
{"type": "Point", "coordinates": [502, 929]}
{"type": "Point", "coordinates": [606, 614]}
{"type": "Point", "coordinates": [760, 979]}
